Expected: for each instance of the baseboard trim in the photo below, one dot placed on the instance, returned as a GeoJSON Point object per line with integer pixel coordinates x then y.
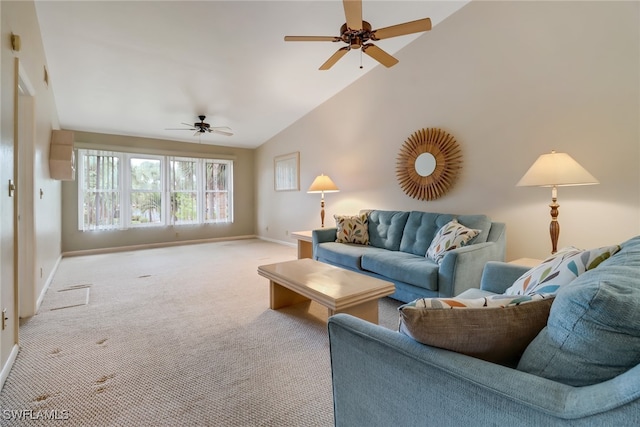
{"type": "Point", "coordinates": [4, 374]}
{"type": "Point", "coordinates": [47, 283]}
{"type": "Point", "coordinates": [154, 245]}
{"type": "Point", "coordinates": [281, 242]}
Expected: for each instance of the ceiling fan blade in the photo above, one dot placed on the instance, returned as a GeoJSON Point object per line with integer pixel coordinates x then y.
{"type": "Point", "coordinates": [379, 55]}
{"type": "Point", "coordinates": [187, 124]}
{"type": "Point", "coordinates": [311, 39]}
{"type": "Point", "coordinates": [402, 29]}
{"type": "Point", "coordinates": [334, 58]}
{"type": "Point", "coordinates": [222, 131]}
{"type": "Point", "coordinates": [353, 13]}
{"type": "Point", "coordinates": [179, 128]}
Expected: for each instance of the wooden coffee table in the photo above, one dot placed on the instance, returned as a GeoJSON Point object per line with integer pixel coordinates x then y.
{"type": "Point", "coordinates": [340, 290]}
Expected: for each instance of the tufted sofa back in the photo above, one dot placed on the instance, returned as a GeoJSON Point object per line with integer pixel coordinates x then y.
{"type": "Point", "coordinates": [412, 232]}
{"type": "Point", "coordinates": [386, 228]}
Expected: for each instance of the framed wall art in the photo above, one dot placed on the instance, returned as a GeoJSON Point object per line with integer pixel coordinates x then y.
{"type": "Point", "coordinates": [286, 172]}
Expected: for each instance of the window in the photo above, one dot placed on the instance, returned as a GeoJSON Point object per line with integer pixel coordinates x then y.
{"type": "Point", "coordinates": [184, 191]}
{"type": "Point", "coordinates": [217, 191]}
{"type": "Point", "coordinates": [121, 190]}
{"type": "Point", "coordinates": [99, 190]}
{"type": "Point", "coordinates": [145, 191]}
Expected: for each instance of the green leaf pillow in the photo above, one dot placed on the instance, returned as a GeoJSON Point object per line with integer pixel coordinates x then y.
{"type": "Point", "coordinates": [352, 228]}
{"type": "Point", "coordinates": [559, 269]}
{"type": "Point", "coordinates": [451, 236]}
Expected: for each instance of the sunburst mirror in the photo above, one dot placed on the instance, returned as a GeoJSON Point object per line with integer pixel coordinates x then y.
{"type": "Point", "coordinates": [428, 164]}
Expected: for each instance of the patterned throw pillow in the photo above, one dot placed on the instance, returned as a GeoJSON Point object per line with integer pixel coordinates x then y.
{"type": "Point", "coordinates": [559, 269]}
{"type": "Point", "coordinates": [352, 228]}
{"type": "Point", "coordinates": [493, 301]}
{"type": "Point", "coordinates": [498, 328]}
{"type": "Point", "coordinates": [451, 236]}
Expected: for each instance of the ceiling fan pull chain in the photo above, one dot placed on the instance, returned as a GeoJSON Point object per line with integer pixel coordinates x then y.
{"type": "Point", "coordinates": [361, 59]}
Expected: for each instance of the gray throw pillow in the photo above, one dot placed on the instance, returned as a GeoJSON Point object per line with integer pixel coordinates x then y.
{"type": "Point", "coordinates": [497, 334]}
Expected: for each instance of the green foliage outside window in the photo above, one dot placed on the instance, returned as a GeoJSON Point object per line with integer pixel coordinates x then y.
{"type": "Point", "coordinates": [196, 190]}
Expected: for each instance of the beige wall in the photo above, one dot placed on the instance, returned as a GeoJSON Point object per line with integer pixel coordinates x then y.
{"type": "Point", "coordinates": [511, 81]}
{"type": "Point", "coordinates": [243, 186]}
{"type": "Point", "coordinates": [39, 215]}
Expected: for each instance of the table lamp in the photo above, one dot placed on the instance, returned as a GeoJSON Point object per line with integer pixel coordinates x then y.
{"type": "Point", "coordinates": [556, 170]}
{"type": "Point", "coordinates": [322, 184]}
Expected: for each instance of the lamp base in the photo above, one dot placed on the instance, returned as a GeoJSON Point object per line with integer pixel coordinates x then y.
{"type": "Point", "coordinates": [554, 227]}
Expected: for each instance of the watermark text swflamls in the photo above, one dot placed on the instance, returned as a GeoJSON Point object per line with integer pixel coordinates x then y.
{"type": "Point", "coordinates": [30, 414]}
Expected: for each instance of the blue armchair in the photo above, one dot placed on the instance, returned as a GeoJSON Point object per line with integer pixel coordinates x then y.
{"type": "Point", "coordinates": [592, 340]}
{"type": "Point", "coordinates": [382, 378]}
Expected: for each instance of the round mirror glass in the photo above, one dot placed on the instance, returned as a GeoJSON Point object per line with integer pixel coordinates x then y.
{"type": "Point", "coordinates": [425, 164]}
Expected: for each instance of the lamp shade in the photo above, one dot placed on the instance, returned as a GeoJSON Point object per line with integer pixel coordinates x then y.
{"type": "Point", "coordinates": [556, 169]}
{"type": "Point", "coordinates": [323, 184]}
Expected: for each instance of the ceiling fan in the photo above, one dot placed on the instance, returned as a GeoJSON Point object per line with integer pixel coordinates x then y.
{"type": "Point", "coordinates": [356, 33]}
{"type": "Point", "coordinates": [202, 127]}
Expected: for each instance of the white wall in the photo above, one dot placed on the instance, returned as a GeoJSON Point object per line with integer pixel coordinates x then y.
{"type": "Point", "coordinates": [510, 81]}
{"type": "Point", "coordinates": [43, 246]}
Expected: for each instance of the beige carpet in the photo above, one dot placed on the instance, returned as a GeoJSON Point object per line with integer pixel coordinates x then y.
{"type": "Point", "coordinates": [172, 336]}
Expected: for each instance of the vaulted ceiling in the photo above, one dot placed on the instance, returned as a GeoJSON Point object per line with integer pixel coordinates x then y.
{"type": "Point", "coordinates": [139, 67]}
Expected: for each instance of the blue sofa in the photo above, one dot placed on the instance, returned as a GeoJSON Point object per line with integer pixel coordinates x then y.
{"type": "Point", "coordinates": [398, 243]}
{"type": "Point", "coordinates": [581, 370]}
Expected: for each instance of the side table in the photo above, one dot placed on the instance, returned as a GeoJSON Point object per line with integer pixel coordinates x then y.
{"type": "Point", "coordinates": [305, 245]}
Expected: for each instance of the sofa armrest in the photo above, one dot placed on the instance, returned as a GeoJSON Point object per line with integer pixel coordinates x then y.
{"type": "Point", "coordinates": [382, 378]}
{"type": "Point", "coordinates": [461, 268]}
{"type": "Point", "coordinates": [322, 235]}
{"type": "Point", "coordinates": [498, 276]}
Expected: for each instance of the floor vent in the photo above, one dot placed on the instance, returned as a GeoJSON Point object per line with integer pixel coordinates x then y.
{"type": "Point", "coordinates": [74, 296]}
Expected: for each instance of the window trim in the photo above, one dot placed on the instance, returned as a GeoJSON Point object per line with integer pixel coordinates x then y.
{"type": "Point", "coordinates": [125, 189]}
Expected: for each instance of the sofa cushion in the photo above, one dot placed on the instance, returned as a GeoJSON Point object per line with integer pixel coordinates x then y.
{"type": "Point", "coordinates": [342, 254]}
{"type": "Point", "coordinates": [352, 229]}
{"type": "Point", "coordinates": [593, 333]}
{"type": "Point", "coordinates": [498, 335]}
{"type": "Point", "coordinates": [418, 232]}
{"type": "Point", "coordinates": [451, 236]}
{"type": "Point", "coordinates": [400, 266]}
{"type": "Point", "coordinates": [559, 269]}
{"type": "Point", "coordinates": [386, 227]}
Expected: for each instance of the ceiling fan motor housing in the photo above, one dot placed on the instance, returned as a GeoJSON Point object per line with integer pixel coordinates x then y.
{"type": "Point", "coordinates": [201, 126]}
{"type": "Point", "coordinates": [356, 38]}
